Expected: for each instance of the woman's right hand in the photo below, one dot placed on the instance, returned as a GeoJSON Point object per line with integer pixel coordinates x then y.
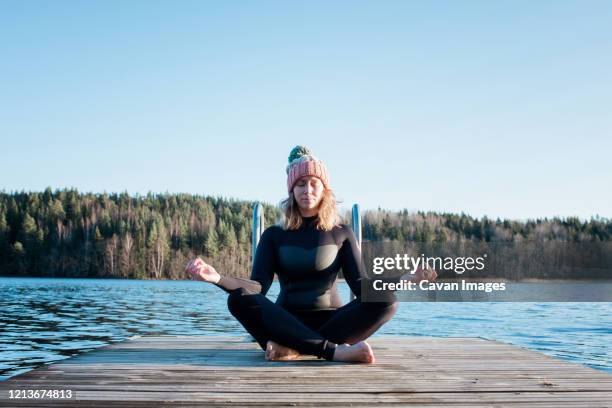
{"type": "Point", "coordinates": [200, 270]}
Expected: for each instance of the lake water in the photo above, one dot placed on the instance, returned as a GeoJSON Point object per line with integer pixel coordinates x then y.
{"type": "Point", "coordinates": [46, 320]}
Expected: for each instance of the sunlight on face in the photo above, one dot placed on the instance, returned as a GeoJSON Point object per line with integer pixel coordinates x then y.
{"type": "Point", "coordinates": [308, 192]}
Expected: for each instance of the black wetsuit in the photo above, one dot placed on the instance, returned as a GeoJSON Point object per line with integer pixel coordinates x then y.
{"type": "Point", "coordinates": [308, 315]}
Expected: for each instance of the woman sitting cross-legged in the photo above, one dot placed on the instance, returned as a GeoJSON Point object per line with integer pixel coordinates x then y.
{"type": "Point", "coordinates": [306, 254]}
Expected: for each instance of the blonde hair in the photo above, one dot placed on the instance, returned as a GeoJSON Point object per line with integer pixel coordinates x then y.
{"type": "Point", "coordinates": [327, 218]}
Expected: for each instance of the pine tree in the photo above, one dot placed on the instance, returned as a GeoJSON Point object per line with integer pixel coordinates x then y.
{"type": "Point", "coordinates": [211, 246]}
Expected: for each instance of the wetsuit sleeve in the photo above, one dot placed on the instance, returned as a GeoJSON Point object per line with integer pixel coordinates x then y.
{"type": "Point", "coordinates": [354, 271]}
{"type": "Point", "coordinates": [229, 283]}
{"type": "Point", "coordinates": [263, 268]}
{"type": "Point", "coordinates": [352, 264]}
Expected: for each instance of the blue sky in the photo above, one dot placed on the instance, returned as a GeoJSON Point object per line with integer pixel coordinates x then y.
{"type": "Point", "coordinates": [499, 108]}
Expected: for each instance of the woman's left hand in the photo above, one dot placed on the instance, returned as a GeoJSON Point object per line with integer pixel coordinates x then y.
{"type": "Point", "coordinates": [427, 274]}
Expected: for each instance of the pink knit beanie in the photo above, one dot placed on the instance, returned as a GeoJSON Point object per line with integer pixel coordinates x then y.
{"type": "Point", "coordinates": [303, 163]}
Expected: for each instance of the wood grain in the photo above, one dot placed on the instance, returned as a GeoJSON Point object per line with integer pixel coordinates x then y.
{"type": "Point", "coordinates": [190, 371]}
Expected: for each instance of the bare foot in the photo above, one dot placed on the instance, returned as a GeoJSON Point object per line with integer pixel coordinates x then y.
{"type": "Point", "coordinates": [276, 352]}
{"type": "Point", "coordinates": [357, 353]}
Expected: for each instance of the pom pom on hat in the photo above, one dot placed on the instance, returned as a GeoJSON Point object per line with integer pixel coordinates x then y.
{"type": "Point", "coordinates": [298, 152]}
{"type": "Point", "coordinates": [303, 163]}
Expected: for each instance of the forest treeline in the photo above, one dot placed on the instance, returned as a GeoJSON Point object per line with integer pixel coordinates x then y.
{"type": "Point", "coordinates": [65, 233]}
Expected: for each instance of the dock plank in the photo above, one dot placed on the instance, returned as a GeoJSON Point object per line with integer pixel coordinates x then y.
{"type": "Point", "coordinates": [231, 371]}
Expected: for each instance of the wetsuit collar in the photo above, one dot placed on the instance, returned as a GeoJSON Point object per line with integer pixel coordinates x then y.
{"type": "Point", "coordinates": [308, 221]}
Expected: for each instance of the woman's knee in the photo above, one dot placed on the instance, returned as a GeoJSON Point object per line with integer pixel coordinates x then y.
{"type": "Point", "coordinates": [239, 299]}
{"type": "Point", "coordinates": [384, 310]}
{"type": "Point", "coordinates": [392, 309]}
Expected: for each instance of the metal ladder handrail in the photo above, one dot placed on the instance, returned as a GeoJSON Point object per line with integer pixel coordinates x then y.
{"type": "Point", "coordinates": [258, 227]}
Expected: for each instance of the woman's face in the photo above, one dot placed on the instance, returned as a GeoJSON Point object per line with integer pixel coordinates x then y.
{"type": "Point", "coordinates": [308, 192]}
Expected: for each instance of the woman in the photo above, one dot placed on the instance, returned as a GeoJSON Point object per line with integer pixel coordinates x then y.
{"type": "Point", "coordinates": [307, 254]}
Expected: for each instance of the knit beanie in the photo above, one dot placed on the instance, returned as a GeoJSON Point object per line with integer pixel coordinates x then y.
{"type": "Point", "coordinates": [303, 163]}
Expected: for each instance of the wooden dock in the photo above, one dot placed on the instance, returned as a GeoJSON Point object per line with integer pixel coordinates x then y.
{"type": "Point", "coordinates": [190, 371]}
